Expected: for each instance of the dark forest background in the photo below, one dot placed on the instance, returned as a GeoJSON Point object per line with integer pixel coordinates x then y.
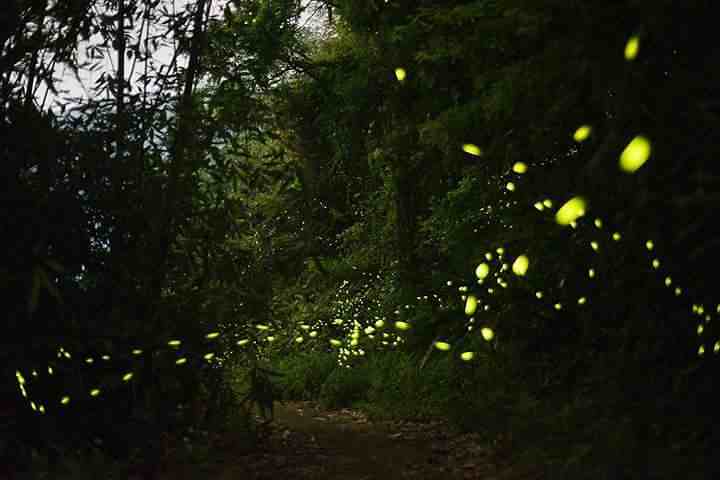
{"type": "Point", "coordinates": [298, 177]}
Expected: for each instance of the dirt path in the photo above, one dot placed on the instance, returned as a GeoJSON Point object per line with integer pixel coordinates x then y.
{"type": "Point", "coordinates": [351, 447]}
{"type": "Point", "coordinates": [306, 443]}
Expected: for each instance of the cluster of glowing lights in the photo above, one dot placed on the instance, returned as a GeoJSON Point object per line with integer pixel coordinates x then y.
{"type": "Point", "coordinates": [632, 158]}
{"type": "Point", "coordinates": [125, 377]}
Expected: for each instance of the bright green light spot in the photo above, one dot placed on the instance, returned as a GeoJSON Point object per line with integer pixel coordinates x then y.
{"type": "Point", "coordinates": [488, 256]}
{"type": "Point", "coordinates": [89, 360]}
{"type": "Point", "coordinates": [595, 245]}
{"type": "Point", "coordinates": [174, 343]}
{"type": "Point", "coordinates": [354, 342]}
{"type": "Point", "coordinates": [635, 154]}
{"type": "Point", "coordinates": [582, 133]}
{"type": "Point", "coordinates": [538, 206]}
{"type": "Point", "coordinates": [335, 343]}
{"type": "Point", "coordinates": [598, 223]}
{"type": "Point", "coordinates": [472, 149]}
{"type": "Point", "coordinates": [402, 325]}
{"type": "Point", "coordinates": [571, 211]}
{"type": "Point", "coordinates": [539, 295]}
{"type": "Point", "coordinates": [649, 245]}
{"type": "Point", "coordinates": [242, 342]}
{"type": "Point", "coordinates": [520, 265]}
{"type": "Point", "coordinates": [582, 301]}
{"type": "Point", "coordinates": [668, 281]}
{"type": "Point", "coordinates": [443, 346]}
{"type": "Point", "coordinates": [482, 271]}
{"type": "Point", "coordinates": [470, 305]}
{"type": "Point", "coordinates": [467, 356]}
{"type": "Point", "coordinates": [656, 264]}
{"type": "Point", "coordinates": [20, 378]}
{"type": "Point", "coordinates": [67, 354]}
{"type": "Point", "coordinates": [270, 338]}
{"type": "Point", "coordinates": [558, 306]}
{"type": "Point", "coordinates": [41, 408]}
{"type": "Point", "coordinates": [94, 392]}
{"type": "Point", "coordinates": [678, 291]}
{"type": "Point", "coordinates": [137, 351]}
{"type": "Point", "coordinates": [379, 324]}
{"type": "Point", "coordinates": [716, 348]}
{"type": "Point", "coordinates": [700, 329]}
{"type": "Point", "coordinates": [520, 167]}
{"type": "Point", "coordinates": [510, 186]}
{"type": "Point", "coordinates": [208, 356]}
{"type": "Point", "coordinates": [313, 334]}
{"type": "Point", "coordinates": [631, 48]}
{"type": "Point", "coordinates": [105, 357]}
{"type": "Point", "coordinates": [591, 273]}
{"type": "Point", "coordinates": [180, 361]}
{"type": "Point", "coordinates": [500, 250]}
{"type": "Point", "coordinates": [127, 376]}
{"type": "Point", "coordinates": [616, 236]}
{"type": "Point", "coordinates": [547, 203]}
{"type": "Point", "coordinates": [262, 327]}
{"type": "Point", "coordinates": [299, 340]}
{"type": "Point", "coordinates": [212, 335]}
{"type": "Point", "coordinates": [701, 350]}
{"type": "Point", "coordinates": [305, 327]}
{"type": "Point", "coordinates": [33, 406]}
{"type": "Point", "coordinates": [487, 333]}
{"type": "Point", "coordinates": [65, 400]}
{"type": "Point", "coordinates": [50, 370]}
{"type": "Point", "coordinates": [400, 74]}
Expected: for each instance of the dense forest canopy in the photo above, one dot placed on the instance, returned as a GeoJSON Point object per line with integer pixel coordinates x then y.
{"type": "Point", "coordinates": [524, 189]}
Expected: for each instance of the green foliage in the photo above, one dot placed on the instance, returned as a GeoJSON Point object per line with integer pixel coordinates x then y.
{"type": "Point", "coordinates": [262, 391]}
{"type": "Point", "coordinates": [304, 374]}
{"type": "Point", "coordinates": [400, 389]}
{"type": "Point", "coordinates": [308, 189]}
{"type": "Point", "coordinates": [344, 387]}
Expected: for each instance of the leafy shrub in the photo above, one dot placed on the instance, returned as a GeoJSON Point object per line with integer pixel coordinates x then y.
{"type": "Point", "coordinates": [304, 374]}
{"type": "Point", "coordinates": [345, 386]}
{"type": "Point", "coordinates": [401, 390]}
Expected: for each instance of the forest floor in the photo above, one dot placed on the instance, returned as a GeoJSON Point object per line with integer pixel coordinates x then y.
{"type": "Point", "coordinates": [305, 442]}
